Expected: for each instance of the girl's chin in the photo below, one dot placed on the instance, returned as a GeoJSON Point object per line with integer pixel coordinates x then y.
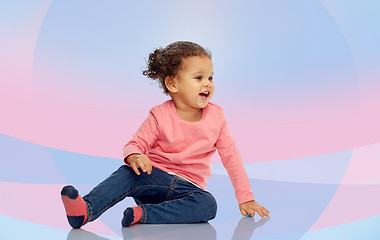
{"type": "Point", "coordinates": [203, 105]}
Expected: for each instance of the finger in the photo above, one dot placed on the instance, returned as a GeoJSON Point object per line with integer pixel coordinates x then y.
{"type": "Point", "coordinates": [139, 160]}
{"type": "Point", "coordinates": [141, 164]}
{"type": "Point", "coordinates": [263, 212]}
{"type": "Point", "coordinates": [243, 212]}
{"type": "Point", "coordinates": [134, 167]}
{"type": "Point", "coordinates": [251, 212]}
{"type": "Point", "coordinates": [260, 211]}
{"type": "Point", "coordinates": [267, 213]}
{"type": "Point", "coordinates": [147, 164]}
{"type": "Point", "coordinates": [149, 167]}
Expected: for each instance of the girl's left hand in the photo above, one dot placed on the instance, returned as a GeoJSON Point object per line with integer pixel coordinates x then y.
{"type": "Point", "coordinates": [252, 207]}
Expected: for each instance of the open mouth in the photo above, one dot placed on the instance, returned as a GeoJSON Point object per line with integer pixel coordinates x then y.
{"type": "Point", "coordinates": [204, 95]}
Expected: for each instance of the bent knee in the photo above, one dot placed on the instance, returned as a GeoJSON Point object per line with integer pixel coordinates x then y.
{"type": "Point", "coordinates": [213, 207]}
{"type": "Point", "coordinates": [209, 207]}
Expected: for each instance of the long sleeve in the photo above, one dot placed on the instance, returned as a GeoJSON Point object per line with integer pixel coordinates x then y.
{"type": "Point", "coordinates": [144, 138]}
{"type": "Point", "coordinates": [233, 163]}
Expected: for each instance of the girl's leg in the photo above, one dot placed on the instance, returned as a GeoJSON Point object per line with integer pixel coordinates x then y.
{"type": "Point", "coordinates": [126, 183]}
{"type": "Point", "coordinates": [185, 203]}
{"type": "Point", "coordinates": [122, 183]}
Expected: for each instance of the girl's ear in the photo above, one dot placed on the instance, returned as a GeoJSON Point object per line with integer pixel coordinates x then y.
{"type": "Point", "coordinates": [171, 84]}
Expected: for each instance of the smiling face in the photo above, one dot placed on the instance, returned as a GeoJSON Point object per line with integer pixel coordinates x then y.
{"type": "Point", "coordinates": [192, 87]}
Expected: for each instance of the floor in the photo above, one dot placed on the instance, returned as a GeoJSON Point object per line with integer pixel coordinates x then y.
{"type": "Point", "coordinates": [66, 73]}
{"type": "Point", "coordinates": [309, 198]}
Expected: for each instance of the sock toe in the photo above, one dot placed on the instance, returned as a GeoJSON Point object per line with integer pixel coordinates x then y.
{"type": "Point", "coordinates": [131, 216]}
{"type": "Point", "coordinates": [70, 192]}
{"type": "Point", "coordinates": [128, 217]}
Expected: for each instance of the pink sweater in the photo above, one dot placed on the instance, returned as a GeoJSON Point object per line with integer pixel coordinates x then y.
{"type": "Point", "coordinates": [185, 148]}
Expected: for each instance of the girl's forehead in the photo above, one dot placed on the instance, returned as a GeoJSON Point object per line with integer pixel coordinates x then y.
{"type": "Point", "coordinates": [196, 62]}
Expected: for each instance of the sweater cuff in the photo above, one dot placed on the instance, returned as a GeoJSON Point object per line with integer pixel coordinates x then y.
{"type": "Point", "coordinates": [246, 197]}
{"type": "Point", "coordinates": [128, 150]}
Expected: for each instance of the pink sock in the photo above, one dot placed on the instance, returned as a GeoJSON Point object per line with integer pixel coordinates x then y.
{"type": "Point", "coordinates": [76, 208]}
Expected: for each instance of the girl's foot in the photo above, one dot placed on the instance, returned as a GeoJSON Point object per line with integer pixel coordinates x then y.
{"type": "Point", "coordinates": [131, 216]}
{"type": "Point", "coordinates": [76, 208]}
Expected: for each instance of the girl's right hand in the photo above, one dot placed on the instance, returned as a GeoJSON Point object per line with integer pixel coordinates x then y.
{"type": "Point", "coordinates": [142, 161]}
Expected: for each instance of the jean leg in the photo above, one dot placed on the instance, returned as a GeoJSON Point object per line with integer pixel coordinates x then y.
{"type": "Point", "coordinates": [188, 204]}
{"type": "Point", "coordinates": [126, 183]}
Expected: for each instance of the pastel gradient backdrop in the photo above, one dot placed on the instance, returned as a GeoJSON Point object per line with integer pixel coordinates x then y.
{"type": "Point", "coordinates": [299, 82]}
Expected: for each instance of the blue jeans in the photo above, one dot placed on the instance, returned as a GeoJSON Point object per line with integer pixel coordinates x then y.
{"type": "Point", "coordinates": [164, 198]}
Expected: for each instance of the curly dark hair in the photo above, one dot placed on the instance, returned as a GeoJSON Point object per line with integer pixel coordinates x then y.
{"type": "Point", "coordinates": [167, 61]}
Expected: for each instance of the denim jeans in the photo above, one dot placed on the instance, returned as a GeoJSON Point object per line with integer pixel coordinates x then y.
{"type": "Point", "coordinates": [164, 198]}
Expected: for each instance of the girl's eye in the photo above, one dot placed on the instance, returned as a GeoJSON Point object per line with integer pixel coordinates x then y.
{"type": "Point", "coordinates": [199, 77]}
{"type": "Point", "coordinates": [210, 78]}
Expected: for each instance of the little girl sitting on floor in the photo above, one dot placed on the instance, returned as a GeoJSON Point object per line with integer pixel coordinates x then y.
{"type": "Point", "coordinates": [168, 159]}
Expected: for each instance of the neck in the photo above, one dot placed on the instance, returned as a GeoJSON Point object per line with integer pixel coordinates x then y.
{"type": "Point", "coordinates": [188, 114]}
